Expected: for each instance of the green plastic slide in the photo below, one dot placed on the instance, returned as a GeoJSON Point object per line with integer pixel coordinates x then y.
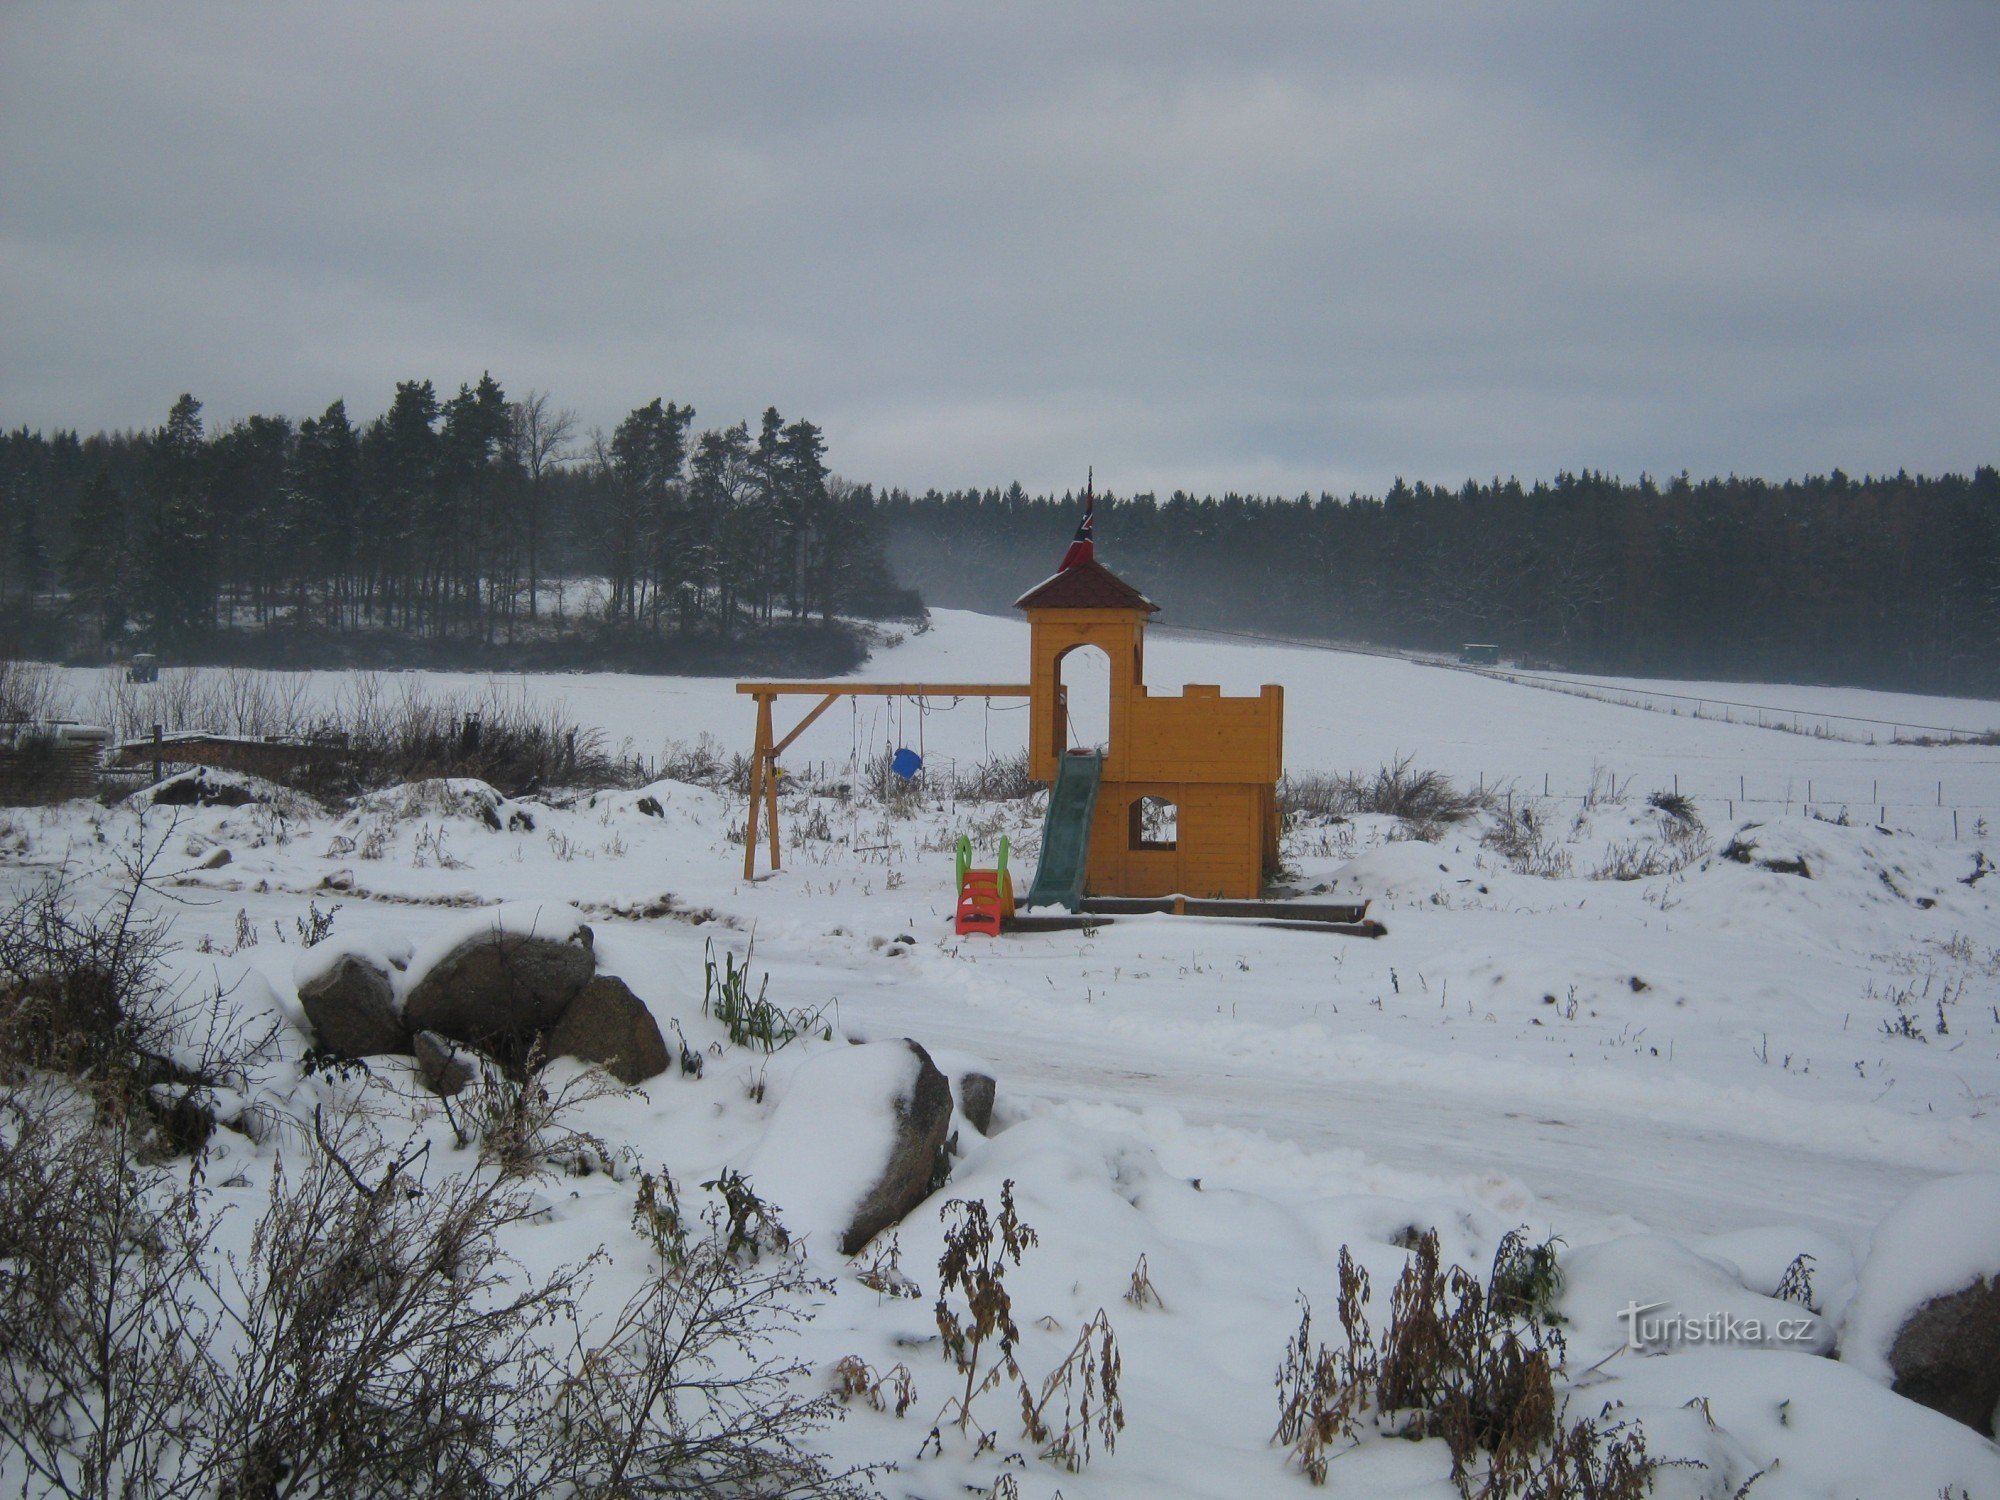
{"type": "Point", "coordinates": [1066, 832]}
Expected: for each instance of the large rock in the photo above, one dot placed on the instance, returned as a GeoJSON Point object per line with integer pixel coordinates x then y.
{"type": "Point", "coordinates": [854, 1141]}
{"type": "Point", "coordinates": [1926, 1316]}
{"type": "Point", "coordinates": [1947, 1355]}
{"type": "Point", "coordinates": [608, 1025]}
{"type": "Point", "coordinates": [976, 1092]}
{"type": "Point", "coordinates": [507, 977]}
{"type": "Point", "coordinates": [447, 1067]}
{"type": "Point", "coordinates": [351, 1003]}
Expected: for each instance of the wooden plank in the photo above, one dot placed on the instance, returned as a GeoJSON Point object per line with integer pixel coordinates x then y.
{"type": "Point", "coordinates": [1194, 906]}
{"type": "Point", "coordinates": [891, 689]}
{"type": "Point", "coordinates": [1034, 922]}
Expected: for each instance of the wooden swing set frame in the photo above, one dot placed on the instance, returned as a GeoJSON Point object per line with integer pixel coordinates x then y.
{"type": "Point", "coordinates": [764, 754]}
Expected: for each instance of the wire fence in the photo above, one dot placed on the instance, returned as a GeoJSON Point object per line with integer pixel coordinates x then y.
{"type": "Point", "coordinates": [1815, 724]}
{"type": "Point", "coordinates": [1937, 808]}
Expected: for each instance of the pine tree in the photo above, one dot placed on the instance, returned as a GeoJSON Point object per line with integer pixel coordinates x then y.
{"type": "Point", "coordinates": [177, 566]}
{"type": "Point", "coordinates": [96, 567]}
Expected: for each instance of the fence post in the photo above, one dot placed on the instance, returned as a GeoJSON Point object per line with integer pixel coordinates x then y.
{"type": "Point", "coordinates": [159, 735]}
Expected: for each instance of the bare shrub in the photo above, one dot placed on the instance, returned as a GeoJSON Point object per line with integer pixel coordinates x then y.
{"type": "Point", "coordinates": [1466, 1361]}
{"type": "Point", "coordinates": [1636, 859]}
{"type": "Point", "coordinates": [1678, 807]}
{"type": "Point", "coordinates": [378, 1340]}
{"type": "Point", "coordinates": [1086, 1381]}
{"type": "Point", "coordinates": [1140, 1291]}
{"type": "Point", "coordinates": [1417, 796]}
{"type": "Point", "coordinates": [894, 1389]}
{"type": "Point", "coordinates": [83, 993]}
{"type": "Point", "coordinates": [373, 1339]}
{"type": "Point", "coordinates": [884, 1274]}
{"type": "Point", "coordinates": [30, 694]}
{"type": "Point", "coordinates": [979, 1331]}
{"type": "Point", "coordinates": [1004, 778]}
{"type": "Point", "coordinates": [1604, 790]}
{"type": "Point", "coordinates": [1314, 797]}
{"type": "Point", "coordinates": [702, 763]}
{"type": "Point", "coordinates": [684, 1395]}
{"type": "Point", "coordinates": [369, 737]}
{"type": "Point", "coordinates": [522, 1123]}
{"type": "Point", "coordinates": [102, 1363]}
{"type": "Point", "coordinates": [510, 742]}
{"type": "Point", "coordinates": [1425, 798]}
{"type": "Point", "coordinates": [1520, 835]}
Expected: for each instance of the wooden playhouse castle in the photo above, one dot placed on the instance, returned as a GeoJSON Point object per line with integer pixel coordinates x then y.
{"type": "Point", "coordinates": [1208, 765]}
{"type": "Point", "coordinates": [1180, 799]}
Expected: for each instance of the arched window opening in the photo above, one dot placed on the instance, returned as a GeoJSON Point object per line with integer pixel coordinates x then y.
{"type": "Point", "coordinates": [1156, 824]}
{"type": "Point", "coordinates": [1083, 718]}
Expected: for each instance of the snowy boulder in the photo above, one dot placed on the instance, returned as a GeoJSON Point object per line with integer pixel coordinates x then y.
{"type": "Point", "coordinates": [206, 787]}
{"type": "Point", "coordinates": [349, 996]}
{"type": "Point", "coordinates": [1926, 1316]}
{"type": "Point", "coordinates": [853, 1144]}
{"type": "Point", "coordinates": [503, 976]}
{"type": "Point", "coordinates": [608, 1025]}
{"type": "Point", "coordinates": [1653, 1295]}
{"type": "Point", "coordinates": [974, 1088]}
{"type": "Point", "coordinates": [976, 1092]}
{"type": "Point", "coordinates": [447, 1067]}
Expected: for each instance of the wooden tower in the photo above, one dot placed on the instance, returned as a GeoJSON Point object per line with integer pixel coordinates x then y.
{"type": "Point", "coordinates": [1214, 761]}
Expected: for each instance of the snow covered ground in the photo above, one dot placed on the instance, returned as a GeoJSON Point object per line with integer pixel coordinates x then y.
{"type": "Point", "coordinates": [1743, 1059]}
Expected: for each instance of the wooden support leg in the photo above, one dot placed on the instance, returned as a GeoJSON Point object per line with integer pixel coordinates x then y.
{"type": "Point", "coordinates": [771, 793]}
{"type": "Point", "coordinates": [759, 761]}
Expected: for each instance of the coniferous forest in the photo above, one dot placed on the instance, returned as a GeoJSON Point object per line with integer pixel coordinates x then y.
{"type": "Point", "coordinates": [476, 529]}
{"type": "Point", "coordinates": [1889, 582]}
{"type": "Point", "coordinates": [443, 532]}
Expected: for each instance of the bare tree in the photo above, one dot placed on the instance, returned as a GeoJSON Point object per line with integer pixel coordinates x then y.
{"type": "Point", "coordinates": [541, 432]}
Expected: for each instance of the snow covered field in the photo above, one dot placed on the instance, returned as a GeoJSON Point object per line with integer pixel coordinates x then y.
{"type": "Point", "coordinates": [1726, 1060]}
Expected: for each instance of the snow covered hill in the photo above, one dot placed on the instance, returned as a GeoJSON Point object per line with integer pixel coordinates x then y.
{"type": "Point", "coordinates": [1781, 1025]}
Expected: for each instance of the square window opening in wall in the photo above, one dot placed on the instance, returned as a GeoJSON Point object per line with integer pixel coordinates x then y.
{"type": "Point", "coordinates": [1155, 824]}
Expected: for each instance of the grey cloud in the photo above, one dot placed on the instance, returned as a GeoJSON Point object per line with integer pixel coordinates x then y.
{"type": "Point", "coordinates": [1280, 248]}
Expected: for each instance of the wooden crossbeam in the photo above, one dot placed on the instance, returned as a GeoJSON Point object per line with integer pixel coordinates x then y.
{"type": "Point", "coordinates": [890, 689]}
{"type": "Point", "coordinates": [765, 752]}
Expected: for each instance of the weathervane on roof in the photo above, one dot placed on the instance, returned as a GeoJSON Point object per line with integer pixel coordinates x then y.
{"type": "Point", "coordinates": [1081, 548]}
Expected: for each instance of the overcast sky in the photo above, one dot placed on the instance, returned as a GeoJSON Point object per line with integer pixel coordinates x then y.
{"type": "Point", "coordinates": [1274, 248]}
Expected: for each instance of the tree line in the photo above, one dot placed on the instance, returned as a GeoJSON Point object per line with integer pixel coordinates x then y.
{"type": "Point", "coordinates": [1890, 581]}
{"type": "Point", "coordinates": [458, 519]}
{"type": "Point", "coordinates": [471, 518]}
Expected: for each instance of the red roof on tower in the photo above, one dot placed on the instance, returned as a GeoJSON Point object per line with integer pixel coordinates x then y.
{"type": "Point", "coordinates": [1086, 585]}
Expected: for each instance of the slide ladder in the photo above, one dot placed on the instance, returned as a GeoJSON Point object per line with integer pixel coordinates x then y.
{"type": "Point", "coordinates": [985, 897]}
{"type": "Point", "coordinates": [1066, 832]}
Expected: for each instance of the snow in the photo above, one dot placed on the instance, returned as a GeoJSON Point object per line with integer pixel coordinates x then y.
{"type": "Point", "coordinates": [1943, 1238]}
{"type": "Point", "coordinates": [1689, 1078]}
{"type": "Point", "coordinates": [830, 1134]}
{"type": "Point", "coordinates": [1813, 1427]}
{"type": "Point", "coordinates": [1653, 1295]}
{"type": "Point", "coordinates": [554, 922]}
{"type": "Point", "coordinates": [315, 963]}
